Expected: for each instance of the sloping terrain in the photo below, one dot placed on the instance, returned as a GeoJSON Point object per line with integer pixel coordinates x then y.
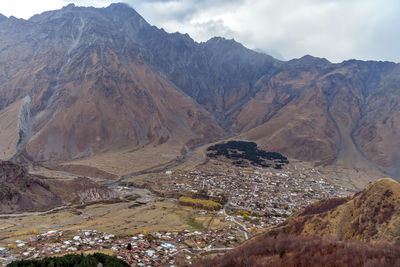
{"type": "Point", "coordinates": [87, 88]}
{"type": "Point", "coordinates": [80, 83]}
{"type": "Point", "coordinates": [304, 252]}
{"type": "Point", "coordinates": [329, 233]}
{"type": "Point", "coordinates": [20, 191]}
{"type": "Point", "coordinates": [9, 129]}
{"type": "Point", "coordinates": [372, 215]}
{"type": "Point", "coordinates": [335, 118]}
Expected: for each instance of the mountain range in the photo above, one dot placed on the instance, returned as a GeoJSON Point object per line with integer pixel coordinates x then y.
{"type": "Point", "coordinates": [79, 82]}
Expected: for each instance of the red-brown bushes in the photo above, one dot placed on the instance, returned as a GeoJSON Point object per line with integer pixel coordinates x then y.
{"type": "Point", "coordinates": [306, 251]}
{"type": "Point", "coordinates": [323, 206]}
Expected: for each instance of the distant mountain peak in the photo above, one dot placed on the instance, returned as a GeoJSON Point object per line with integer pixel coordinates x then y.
{"type": "Point", "coordinates": [122, 8]}
{"type": "Point", "coordinates": [126, 12]}
{"type": "Point", "coordinates": [219, 39]}
{"type": "Point", "coordinates": [120, 5]}
{"type": "Point", "coordinates": [69, 6]}
{"type": "Point", "coordinates": [309, 60]}
{"type": "Point", "coordinates": [312, 59]}
{"type": "Point", "coordinates": [223, 42]}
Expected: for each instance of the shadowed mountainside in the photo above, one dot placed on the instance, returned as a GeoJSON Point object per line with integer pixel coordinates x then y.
{"type": "Point", "coordinates": [20, 191]}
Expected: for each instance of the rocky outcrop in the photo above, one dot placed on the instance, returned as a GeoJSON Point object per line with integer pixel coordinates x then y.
{"type": "Point", "coordinates": [21, 191]}
{"type": "Point", "coordinates": [81, 190]}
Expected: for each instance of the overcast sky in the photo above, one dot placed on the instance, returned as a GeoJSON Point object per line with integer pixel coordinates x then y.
{"type": "Point", "coordinates": [335, 29]}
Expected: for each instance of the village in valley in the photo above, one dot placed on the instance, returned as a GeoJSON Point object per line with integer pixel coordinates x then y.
{"type": "Point", "coordinates": [258, 197]}
{"type": "Point", "coordinates": [142, 249]}
{"type": "Point", "coordinates": [245, 199]}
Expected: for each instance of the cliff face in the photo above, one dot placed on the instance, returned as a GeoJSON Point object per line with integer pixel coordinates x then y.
{"type": "Point", "coordinates": [78, 82]}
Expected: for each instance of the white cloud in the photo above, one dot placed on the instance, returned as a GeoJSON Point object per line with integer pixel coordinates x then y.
{"type": "Point", "coordinates": [26, 8]}
{"type": "Point", "coordinates": [336, 29]}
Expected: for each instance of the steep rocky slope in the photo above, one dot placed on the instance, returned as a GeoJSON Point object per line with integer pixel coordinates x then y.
{"type": "Point", "coordinates": [80, 82]}
{"type": "Point", "coordinates": [372, 215]}
{"type": "Point", "coordinates": [21, 191]}
{"type": "Point", "coordinates": [336, 118]}
{"type": "Point", "coordinates": [87, 89]}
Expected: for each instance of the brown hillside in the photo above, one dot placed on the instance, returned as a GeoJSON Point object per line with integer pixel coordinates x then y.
{"type": "Point", "coordinates": [81, 83]}
{"type": "Point", "coordinates": [372, 215]}
{"type": "Point", "coordinates": [21, 191]}
{"type": "Point", "coordinates": [291, 251]}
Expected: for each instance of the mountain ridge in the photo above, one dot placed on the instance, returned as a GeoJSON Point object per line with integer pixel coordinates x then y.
{"type": "Point", "coordinates": [92, 71]}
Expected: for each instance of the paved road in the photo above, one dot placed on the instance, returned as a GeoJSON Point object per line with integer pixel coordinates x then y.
{"type": "Point", "coordinates": [246, 232]}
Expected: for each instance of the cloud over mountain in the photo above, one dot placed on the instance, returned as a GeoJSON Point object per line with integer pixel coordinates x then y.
{"type": "Point", "coordinates": [336, 29]}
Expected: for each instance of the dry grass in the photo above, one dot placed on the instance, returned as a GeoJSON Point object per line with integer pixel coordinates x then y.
{"type": "Point", "coordinates": [129, 161]}
{"type": "Point", "coordinates": [372, 215]}
{"type": "Point", "coordinates": [288, 251]}
{"type": "Point", "coordinates": [115, 218]}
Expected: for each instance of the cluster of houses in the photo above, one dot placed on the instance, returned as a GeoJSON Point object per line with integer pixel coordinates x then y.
{"type": "Point", "coordinates": [269, 196]}
{"type": "Point", "coordinates": [6, 257]}
{"type": "Point", "coordinates": [254, 198]}
{"type": "Point", "coordinates": [142, 249]}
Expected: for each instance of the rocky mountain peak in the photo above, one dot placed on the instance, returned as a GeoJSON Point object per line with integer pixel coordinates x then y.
{"type": "Point", "coordinates": [123, 13]}
{"type": "Point", "coordinates": [310, 60]}
{"type": "Point", "coordinates": [69, 7]}
{"type": "Point", "coordinates": [2, 17]}
{"type": "Point", "coordinates": [223, 42]}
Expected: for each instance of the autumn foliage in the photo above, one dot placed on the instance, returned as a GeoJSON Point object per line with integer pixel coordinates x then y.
{"type": "Point", "coordinates": [296, 251]}
{"type": "Point", "coordinates": [200, 203]}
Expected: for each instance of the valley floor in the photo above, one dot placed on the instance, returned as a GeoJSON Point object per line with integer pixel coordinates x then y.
{"type": "Point", "coordinates": [163, 232]}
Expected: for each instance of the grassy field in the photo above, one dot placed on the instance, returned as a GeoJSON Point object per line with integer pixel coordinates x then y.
{"type": "Point", "coordinates": [118, 218]}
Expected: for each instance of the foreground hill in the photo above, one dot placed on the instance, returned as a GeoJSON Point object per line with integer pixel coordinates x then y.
{"type": "Point", "coordinates": [328, 233]}
{"type": "Point", "coordinates": [94, 260]}
{"type": "Point", "coordinates": [80, 82]}
{"type": "Point", "coordinates": [285, 251]}
{"type": "Point", "coordinates": [372, 215]}
{"type": "Point", "coordinates": [21, 191]}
